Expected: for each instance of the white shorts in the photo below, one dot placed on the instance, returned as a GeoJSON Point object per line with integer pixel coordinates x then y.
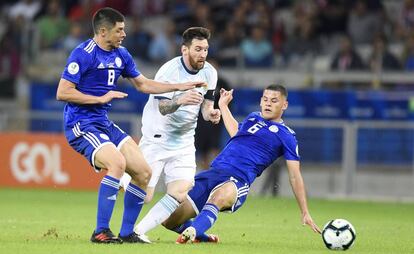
{"type": "Point", "coordinates": [175, 164]}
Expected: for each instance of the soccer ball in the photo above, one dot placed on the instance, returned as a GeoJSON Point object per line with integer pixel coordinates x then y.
{"type": "Point", "coordinates": [338, 234]}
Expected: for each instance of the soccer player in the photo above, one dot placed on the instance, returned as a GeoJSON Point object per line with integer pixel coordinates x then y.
{"type": "Point", "coordinates": [168, 126]}
{"type": "Point", "coordinates": [88, 85]}
{"type": "Point", "coordinates": [255, 143]}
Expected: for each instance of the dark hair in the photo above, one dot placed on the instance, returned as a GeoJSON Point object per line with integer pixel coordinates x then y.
{"type": "Point", "coordinates": [199, 33]}
{"type": "Point", "coordinates": [278, 88]}
{"type": "Point", "coordinates": [106, 17]}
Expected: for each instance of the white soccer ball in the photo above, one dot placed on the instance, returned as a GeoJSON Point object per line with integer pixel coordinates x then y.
{"type": "Point", "coordinates": [338, 234]}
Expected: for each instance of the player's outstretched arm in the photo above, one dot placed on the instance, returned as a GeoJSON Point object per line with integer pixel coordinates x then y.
{"type": "Point", "coordinates": [298, 187]}
{"type": "Point", "coordinates": [209, 112]}
{"type": "Point", "coordinates": [67, 91]}
{"type": "Point", "coordinates": [190, 97]}
{"type": "Point", "coordinates": [150, 86]}
{"type": "Point", "coordinates": [232, 126]}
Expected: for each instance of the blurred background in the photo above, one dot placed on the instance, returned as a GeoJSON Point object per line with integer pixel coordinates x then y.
{"type": "Point", "coordinates": [348, 65]}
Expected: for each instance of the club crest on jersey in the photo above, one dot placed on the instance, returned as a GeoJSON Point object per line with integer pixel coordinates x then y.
{"type": "Point", "coordinates": [273, 128]}
{"type": "Point", "coordinates": [73, 68]}
{"type": "Point", "coordinates": [118, 62]}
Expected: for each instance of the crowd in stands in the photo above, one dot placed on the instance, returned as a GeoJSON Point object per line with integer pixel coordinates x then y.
{"type": "Point", "coordinates": [355, 34]}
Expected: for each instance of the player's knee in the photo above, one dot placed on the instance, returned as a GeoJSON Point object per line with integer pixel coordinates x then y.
{"type": "Point", "coordinates": [179, 196]}
{"type": "Point", "coordinates": [141, 176]}
{"type": "Point", "coordinates": [221, 201]}
{"type": "Point", "coordinates": [117, 165]}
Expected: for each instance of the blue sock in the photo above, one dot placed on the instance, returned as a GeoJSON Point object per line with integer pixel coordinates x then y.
{"type": "Point", "coordinates": [182, 227]}
{"type": "Point", "coordinates": [205, 219]}
{"type": "Point", "coordinates": [108, 191]}
{"type": "Point", "coordinates": [133, 201]}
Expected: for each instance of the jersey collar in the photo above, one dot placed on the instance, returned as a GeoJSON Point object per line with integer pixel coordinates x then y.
{"type": "Point", "coordinates": [186, 69]}
{"type": "Point", "coordinates": [281, 120]}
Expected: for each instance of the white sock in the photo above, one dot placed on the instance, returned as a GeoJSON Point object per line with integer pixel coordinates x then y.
{"type": "Point", "coordinates": [124, 181]}
{"type": "Point", "coordinates": [158, 213]}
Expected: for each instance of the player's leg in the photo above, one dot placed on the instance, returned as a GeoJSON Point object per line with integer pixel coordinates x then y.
{"type": "Point", "coordinates": [177, 221]}
{"type": "Point", "coordinates": [179, 176]}
{"type": "Point", "coordinates": [110, 158]}
{"type": "Point", "coordinates": [93, 141]}
{"type": "Point", "coordinates": [157, 169]}
{"type": "Point", "coordinates": [124, 181]}
{"type": "Point", "coordinates": [140, 173]}
{"type": "Point", "coordinates": [164, 207]}
{"type": "Point", "coordinates": [222, 198]}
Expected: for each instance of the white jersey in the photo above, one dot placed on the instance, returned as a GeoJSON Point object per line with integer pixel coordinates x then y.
{"type": "Point", "coordinates": [176, 130]}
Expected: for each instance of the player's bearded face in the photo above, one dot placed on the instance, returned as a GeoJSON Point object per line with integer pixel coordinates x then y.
{"type": "Point", "coordinates": [197, 53]}
{"type": "Point", "coordinates": [272, 104]}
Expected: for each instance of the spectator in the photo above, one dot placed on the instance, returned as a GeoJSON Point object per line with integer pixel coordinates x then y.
{"type": "Point", "coordinates": [332, 16]}
{"type": "Point", "coordinates": [229, 43]}
{"type": "Point", "coordinates": [381, 58]}
{"type": "Point", "coordinates": [138, 40]}
{"type": "Point", "coordinates": [28, 9]}
{"type": "Point", "coordinates": [363, 24]}
{"type": "Point", "coordinates": [408, 54]}
{"type": "Point", "coordinates": [405, 21]}
{"type": "Point", "coordinates": [9, 66]}
{"type": "Point", "coordinates": [74, 38]}
{"type": "Point", "coordinates": [303, 40]}
{"type": "Point", "coordinates": [256, 49]}
{"type": "Point", "coordinates": [165, 44]}
{"type": "Point", "coordinates": [347, 58]}
{"type": "Point", "coordinates": [52, 27]}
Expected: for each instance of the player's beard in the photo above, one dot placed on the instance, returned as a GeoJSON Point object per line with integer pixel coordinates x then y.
{"type": "Point", "coordinates": [196, 65]}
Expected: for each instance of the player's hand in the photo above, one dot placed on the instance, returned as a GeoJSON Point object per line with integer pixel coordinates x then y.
{"type": "Point", "coordinates": [190, 97]}
{"type": "Point", "coordinates": [307, 220]}
{"type": "Point", "coordinates": [190, 85]}
{"type": "Point", "coordinates": [215, 116]}
{"type": "Point", "coordinates": [109, 96]}
{"type": "Point", "coordinates": [225, 97]}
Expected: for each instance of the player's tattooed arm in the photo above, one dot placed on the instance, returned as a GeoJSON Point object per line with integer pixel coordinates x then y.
{"type": "Point", "coordinates": [167, 106]}
{"type": "Point", "coordinates": [189, 97]}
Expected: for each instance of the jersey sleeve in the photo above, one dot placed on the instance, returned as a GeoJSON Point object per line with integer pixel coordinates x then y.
{"type": "Point", "coordinates": [291, 148]}
{"type": "Point", "coordinates": [77, 64]}
{"type": "Point", "coordinates": [253, 114]}
{"type": "Point", "coordinates": [130, 70]}
{"type": "Point", "coordinates": [211, 83]}
{"type": "Point", "coordinates": [166, 74]}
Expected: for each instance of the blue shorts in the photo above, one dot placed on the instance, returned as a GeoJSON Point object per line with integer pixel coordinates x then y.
{"type": "Point", "coordinates": [208, 181]}
{"type": "Point", "coordinates": [88, 137]}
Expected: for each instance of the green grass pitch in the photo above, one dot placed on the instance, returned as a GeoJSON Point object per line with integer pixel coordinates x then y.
{"type": "Point", "coordinates": [47, 221]}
